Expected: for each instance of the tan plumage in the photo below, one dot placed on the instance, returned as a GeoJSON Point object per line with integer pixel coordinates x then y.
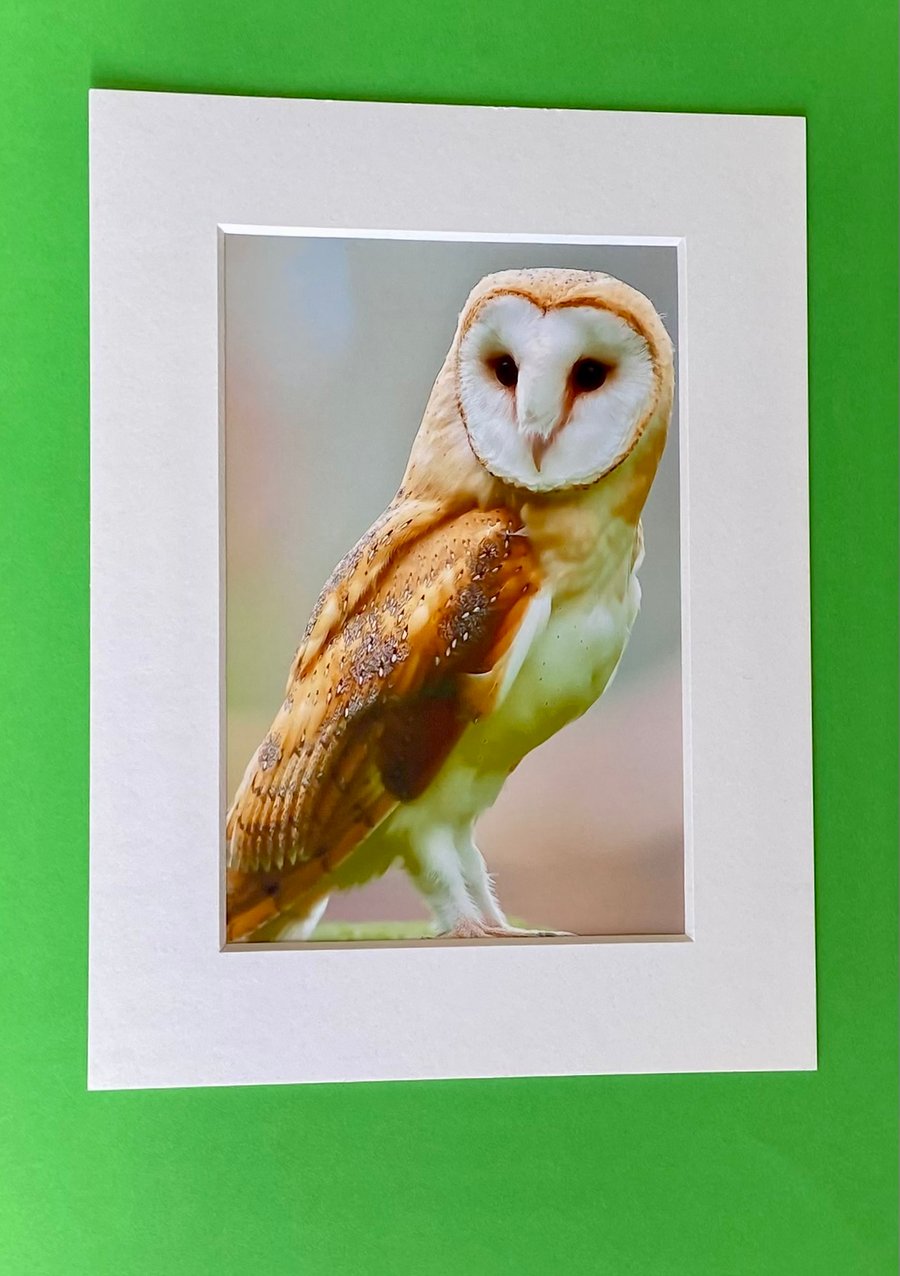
{"type": "Point", "coordinates": [410, 643]}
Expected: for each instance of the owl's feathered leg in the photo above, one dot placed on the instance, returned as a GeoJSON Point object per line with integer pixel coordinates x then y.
{"type": "Point", "coordinates": [480, 886]}
{"type": "Point", "coordinates": [478, 880]}
{"type": "Point", "coordinates": [435, 868]}
{"type": "Point", "coordinates": [449, 871]}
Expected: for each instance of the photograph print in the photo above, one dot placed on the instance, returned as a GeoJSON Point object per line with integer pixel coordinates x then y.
{"type": "Point", "coordinates": [453, 679]}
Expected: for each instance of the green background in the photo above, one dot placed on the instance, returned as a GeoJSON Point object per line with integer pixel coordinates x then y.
{"type": "Point", "coordinates": [763, 1174]}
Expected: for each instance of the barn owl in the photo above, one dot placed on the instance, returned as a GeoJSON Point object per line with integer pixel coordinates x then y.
{"type": "Point", "coordinates": [487, 607]}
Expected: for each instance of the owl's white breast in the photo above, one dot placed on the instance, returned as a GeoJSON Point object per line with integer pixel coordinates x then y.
{"type": "Point", "coordinates": [569, 662]}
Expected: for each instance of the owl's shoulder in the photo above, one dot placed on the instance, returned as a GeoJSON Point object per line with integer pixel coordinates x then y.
{"type": "Point", "coordinates": [413, 542]}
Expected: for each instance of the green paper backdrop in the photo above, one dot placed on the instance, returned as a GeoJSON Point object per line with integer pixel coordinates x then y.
{"type": "Point", "coordinates": [651, 1176]}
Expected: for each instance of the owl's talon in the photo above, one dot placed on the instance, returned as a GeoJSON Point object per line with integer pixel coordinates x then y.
{"type": "Point", "coordinates": [467, 928]}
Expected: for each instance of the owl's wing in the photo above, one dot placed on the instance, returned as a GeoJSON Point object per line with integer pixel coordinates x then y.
{"type": "Point", "coordinates": [372, 714]}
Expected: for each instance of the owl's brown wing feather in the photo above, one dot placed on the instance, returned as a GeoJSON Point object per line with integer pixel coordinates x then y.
{"type": "Point", "coordinates": [369, 719]}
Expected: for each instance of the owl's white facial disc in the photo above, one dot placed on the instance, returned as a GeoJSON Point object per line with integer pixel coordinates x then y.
{"type": "Point", "coordinates": [552, 399]}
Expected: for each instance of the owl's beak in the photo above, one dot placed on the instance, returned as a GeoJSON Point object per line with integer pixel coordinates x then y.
{"type": "Point", "coordinates": [539, 412]}
{"type": "Point", "coordinates": [540, 439]}
{"type": "Point", "coordinates": [539, 443]}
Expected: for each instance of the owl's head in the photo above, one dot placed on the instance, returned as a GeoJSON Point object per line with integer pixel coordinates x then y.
{"type": "Point", "coordinates": [559, 374]}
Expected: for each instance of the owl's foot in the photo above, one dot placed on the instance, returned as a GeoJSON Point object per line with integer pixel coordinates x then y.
{"type": "Point", "coordinates": [469, 928]}
{"type": "Point", "coordinates": [450, 872]}
{"type": "Point", "coordinates": [522, 932]}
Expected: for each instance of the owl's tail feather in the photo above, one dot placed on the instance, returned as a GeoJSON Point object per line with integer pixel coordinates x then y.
{"type": "Point", "coordinates": [256, 907]}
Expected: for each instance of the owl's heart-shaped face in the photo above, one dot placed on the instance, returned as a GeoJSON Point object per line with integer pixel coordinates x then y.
{"type": "Point", "coordinates": [552, 397]}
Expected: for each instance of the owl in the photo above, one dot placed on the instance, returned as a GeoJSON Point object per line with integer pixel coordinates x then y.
{"type": "Point", "coordinates": [486, 608]}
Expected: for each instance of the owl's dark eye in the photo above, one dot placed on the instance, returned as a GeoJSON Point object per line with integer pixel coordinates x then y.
{"type": "Point", "coordinates": [589, 374]}
{"type": "Point", "coordinates": [505, 370]}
